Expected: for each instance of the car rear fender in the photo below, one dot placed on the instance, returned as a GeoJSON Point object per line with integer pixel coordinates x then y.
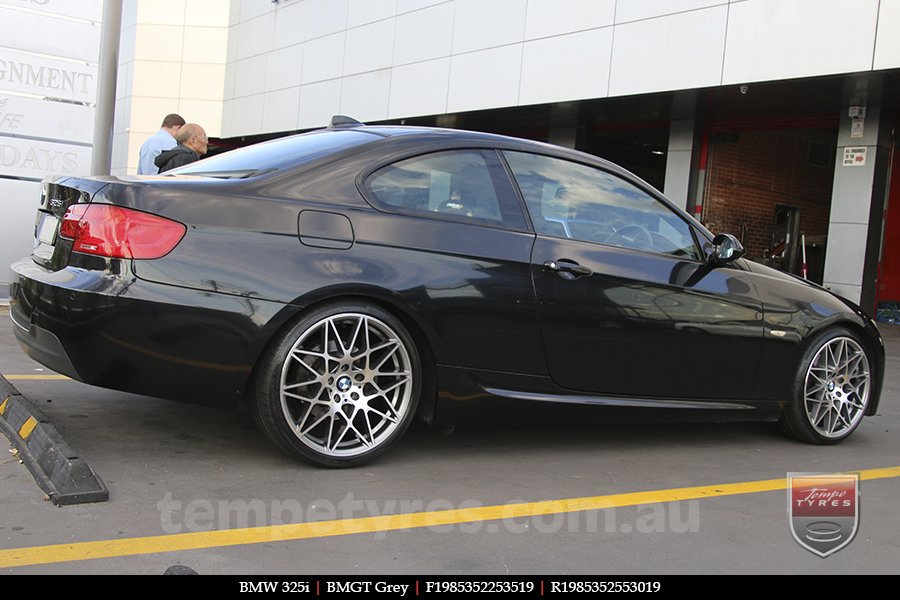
{"type": "Point", "coordinates": [386, 300]}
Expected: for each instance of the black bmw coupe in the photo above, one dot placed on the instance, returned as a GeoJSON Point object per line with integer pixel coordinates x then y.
{"type": "Point", "coordinates": [347, 280]}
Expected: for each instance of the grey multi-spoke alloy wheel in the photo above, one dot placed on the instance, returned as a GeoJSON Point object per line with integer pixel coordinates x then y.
{"type": "Point", "coordinates": [340, 386]}
{"type": "Point", "coordinates": [833, 389]}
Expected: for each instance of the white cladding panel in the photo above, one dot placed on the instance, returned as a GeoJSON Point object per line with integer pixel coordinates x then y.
{"type": "Point", "coordinates": [656, 54]}
{"type": "Point", "coordinates": [479, 25]}
{"type": "Point", "coordinates": [485, 79]}
{"type": "Point", "coordinates": [49, 77]}
{"type": "Point", "coordinates": [638, 10]}
{"type": "Point", "coordinates": [361, 12]}
{"type": "Point", "coordinates": [439, 56]}
{"type": "Point", "coordinates": [424, 34]}
{"type": "Point", "coordinates": [584, 75]}
{"type": "Point", "coordinates": [22, 116]}
{"type": "Point", "coordinates": [323, 58]}
{"type": "Point", "coordinates": [280, 110]}
{"type": "Point", "coordinates": [48, 35]}
{"type": "Point", "coordinates": [774, 39]}
{"type": "Point", "coordinates": [18, 205]}
{"type": "Point", "coordinates": [419, 88]}
{"type": "Point", "coordinates": [366, 95]}
{"type": "Point", "coordinates": [36, 159]}
{"type": "Point", "coordinates": [369, 47]}
{"type": "Point", "coordinates": [89, 10]}
{"type": "Point", "coordinates": [318, 102]}
{"type": "Point", "coordinates": [887, 42]}
{"type": "Point", "coordinates": [561, 17]}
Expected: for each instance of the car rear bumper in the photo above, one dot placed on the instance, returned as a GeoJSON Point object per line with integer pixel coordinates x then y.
{"type": "Point", "coordinates": [41, 345]}
{"type": "Point", "coordinates": [120, 332]}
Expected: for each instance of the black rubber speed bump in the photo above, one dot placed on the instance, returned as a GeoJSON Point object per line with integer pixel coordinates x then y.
{"type": "Point", "coordinates": [57, 469]}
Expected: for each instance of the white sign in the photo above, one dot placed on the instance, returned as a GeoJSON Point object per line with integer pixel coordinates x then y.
{"type": "Point", "coordinates": [21, 72]}
{"type": "Point", "coordinates": [31, 158]}
{"type": "Point", "coordinates": [18, 205]}
{"type": "Point", "coordinates": [90, 10]}
{"type": "Point", "coordinates": [855, 156]}
{"type": "Point", "coordinates": [61, 121]}
{"type": "Point", "coordinates": [49, 35]}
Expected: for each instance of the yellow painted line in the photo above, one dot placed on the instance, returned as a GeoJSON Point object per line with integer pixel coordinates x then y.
{"type": "Point", "coordinates": [54, 377]}
{"type": "Point", "coordinates": [19, 557]}
{"type": "Point", "coordinates": [27, 428]}
{"type": "Point", "coordinates": [3, 406]}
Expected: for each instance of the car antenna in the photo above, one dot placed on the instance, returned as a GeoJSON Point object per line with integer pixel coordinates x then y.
{"type": "Point", "coordinates": [343, 121]}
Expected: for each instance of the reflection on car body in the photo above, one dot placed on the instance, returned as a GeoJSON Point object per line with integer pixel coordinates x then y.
{"type": "Point", "coordinates": [348, 280]}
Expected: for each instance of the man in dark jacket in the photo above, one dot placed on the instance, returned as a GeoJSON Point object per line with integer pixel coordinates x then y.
{"type": "Point", "coordinates": [191, 146]}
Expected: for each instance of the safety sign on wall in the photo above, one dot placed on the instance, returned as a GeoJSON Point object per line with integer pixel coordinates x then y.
{"type": "Point", "coordinates": [855, 156]}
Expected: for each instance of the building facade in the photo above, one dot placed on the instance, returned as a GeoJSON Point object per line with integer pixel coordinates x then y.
{"type": "Point", "coordinates": [171, 60]}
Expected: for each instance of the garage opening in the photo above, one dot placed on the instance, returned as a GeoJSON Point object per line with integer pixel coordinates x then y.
{"type": "Point", "coordinates": [770, 184]}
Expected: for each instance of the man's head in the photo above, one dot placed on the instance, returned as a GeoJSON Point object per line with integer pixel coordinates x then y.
{"type": "Point", "coordinates": [172, 123]}
{"type": "Point", "coordinates": [193, 136]}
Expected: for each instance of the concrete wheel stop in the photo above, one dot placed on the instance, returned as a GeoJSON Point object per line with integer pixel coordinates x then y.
{"type": "Point", "coordinates": [56, 467]}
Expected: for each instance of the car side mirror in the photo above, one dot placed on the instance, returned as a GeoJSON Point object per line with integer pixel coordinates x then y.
{"type": "Point", "coordinates": [725, 249]}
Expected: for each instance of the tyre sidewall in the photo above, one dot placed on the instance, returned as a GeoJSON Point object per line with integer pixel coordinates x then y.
{"type": "Point", "coordinates": [268, 409]}
{"type": "Point", "coordinates": [795, 420]}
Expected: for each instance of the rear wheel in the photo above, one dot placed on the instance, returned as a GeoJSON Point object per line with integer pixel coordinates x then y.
{"type": "Point", "coordinates": [832, 389]}
{"type": "Point", "coordinates": [340, 386]}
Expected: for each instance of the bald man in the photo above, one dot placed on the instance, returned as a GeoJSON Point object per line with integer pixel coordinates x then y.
{"type": "Point", "coordinates": [192, 144]}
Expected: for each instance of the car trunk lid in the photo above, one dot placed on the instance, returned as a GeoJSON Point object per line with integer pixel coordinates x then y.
{"type": "Point", "coordinates": [57, 195]}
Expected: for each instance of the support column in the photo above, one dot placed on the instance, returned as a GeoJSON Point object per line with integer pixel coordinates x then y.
{"type": "Point", "coordinates": [104, 115]}
{"type": "Point", "coordinates": [563, 130]}
{"type": "Point", "coordinates": [858, 194]}
{"type": "Point", "coordinates": [678, 161]}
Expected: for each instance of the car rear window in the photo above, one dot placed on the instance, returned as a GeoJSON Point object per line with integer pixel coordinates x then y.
{"type": "Point", "coordinates": [273, 155]}
{"type": "Point", "coordinates": [459, 185]}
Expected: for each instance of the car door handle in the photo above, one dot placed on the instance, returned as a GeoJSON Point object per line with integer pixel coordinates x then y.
{"type": "Point", "coordinates": [567, 266]}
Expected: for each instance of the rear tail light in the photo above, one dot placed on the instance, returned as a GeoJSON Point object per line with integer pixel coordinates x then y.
{"type": "Point", "coordinates": [117, 232]}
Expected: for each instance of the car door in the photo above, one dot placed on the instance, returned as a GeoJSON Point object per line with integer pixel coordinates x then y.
{"type": "Point", "coordinates": [628, 304]}
{"type": "Point", "coordinates": [456, 229]}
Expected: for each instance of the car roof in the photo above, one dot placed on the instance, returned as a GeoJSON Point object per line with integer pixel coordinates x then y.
{"type": "Point", "coordinates": [412, 134]}
{"type": "Point", "coordinates": [434, 132]}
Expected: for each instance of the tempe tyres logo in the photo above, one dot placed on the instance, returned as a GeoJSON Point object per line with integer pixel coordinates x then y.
{"type": "Point", "coordinates": [823, 510]}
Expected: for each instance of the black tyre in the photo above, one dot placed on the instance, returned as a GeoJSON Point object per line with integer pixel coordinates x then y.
{"type": "Point", "coordinates": [831, 389]}
{"type": "Point", "coordinates": [340, 386]}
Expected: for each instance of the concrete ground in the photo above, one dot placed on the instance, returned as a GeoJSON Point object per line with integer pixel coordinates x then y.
{"type": "Point", "coordinates": [175, 468]}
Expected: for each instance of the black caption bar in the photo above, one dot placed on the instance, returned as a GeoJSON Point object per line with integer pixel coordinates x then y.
{"type": "Point", "coordinates": [439, 586]}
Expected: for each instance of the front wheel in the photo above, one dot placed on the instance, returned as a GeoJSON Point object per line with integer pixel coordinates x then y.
{"type": "Point", "coordinates": [832, 389]}
{"type": "Point", "coordinates": [340, 386]}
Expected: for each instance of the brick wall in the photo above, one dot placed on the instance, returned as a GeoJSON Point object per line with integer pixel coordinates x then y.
{"type": "Point", "coordinates": [751, 172]}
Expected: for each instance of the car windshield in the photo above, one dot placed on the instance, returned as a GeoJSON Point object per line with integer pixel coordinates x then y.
{"type": "Point", "coordinates": [273, 155]}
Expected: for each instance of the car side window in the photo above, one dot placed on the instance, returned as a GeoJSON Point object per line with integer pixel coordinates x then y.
{"type": "Point", "coordinates": [459, 185]}
{"type": "Point", "coordinates": [568, 199]}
